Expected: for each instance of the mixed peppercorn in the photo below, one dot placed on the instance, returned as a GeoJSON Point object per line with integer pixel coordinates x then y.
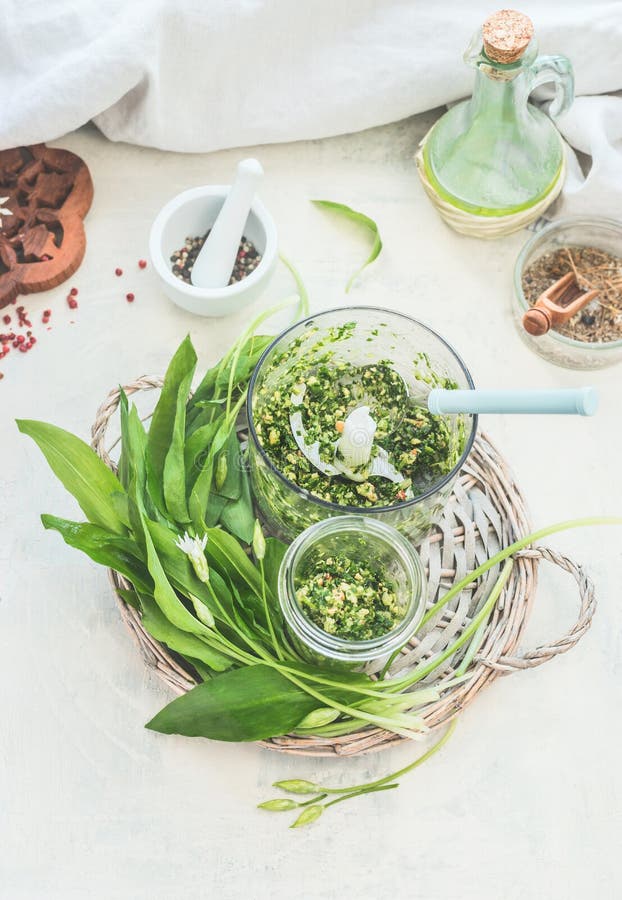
{"type": "Point", "coordinates": [247, 259]}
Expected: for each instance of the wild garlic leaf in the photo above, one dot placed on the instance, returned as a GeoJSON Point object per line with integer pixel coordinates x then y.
{"type": "Point", "coordinates": [238, 516]}
{"type": "Point", "coordinates": [123, 467]}
{"type": "Point", "coordinates": [103, 547]}
{"type": "Point", "coordinates": [215, 506]}
{"type": "Point", "coordinates": [180, 573]}
{"type": "Point", "coordinates": [225, 552]}
{"type": "Point", "coordinates": [231, 486]}
{"type": "Point", "coordinates": [248, 704]}
{"type": "Point", "coordinates": [164, 595]}
{"type": "Point", "coordinates": [361, 219]}
{"type": "Point", "coordinates": [81, 471]}
{"type": "Point", "coordinates": [198, 450]}
{"type": "Point", "coordinates": [215, 382]}
{"type": "Point", "coordinates": [166, 475]}
{"type": "Point", "coordinates": [199, 495]}
{"type": "Point", "coordinates": [129, 597]}
{"type": "Point", "coordinates": [205, 673]}
{"type": "Point", "coordinates": [275, 551]}
{"type": "Point", "coordinates": [183, 642]}
{"type": "Point", "coordinates": [318, 718]}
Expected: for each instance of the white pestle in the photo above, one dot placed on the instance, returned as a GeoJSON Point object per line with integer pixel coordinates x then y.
{"type": "Point", "coordinates": [214, 264]}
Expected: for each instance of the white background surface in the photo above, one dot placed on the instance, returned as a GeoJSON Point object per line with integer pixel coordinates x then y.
{"type": "Point", "coordinates": [524, 802]}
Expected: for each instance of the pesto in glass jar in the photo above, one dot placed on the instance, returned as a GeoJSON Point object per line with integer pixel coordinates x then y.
{"type": "Point", "coordinates": [349, 598]}
{"type": "Point", "coordinates": [420, 446]}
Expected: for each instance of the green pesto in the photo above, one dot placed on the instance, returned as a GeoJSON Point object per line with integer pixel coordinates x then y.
{"type": "Point", "coordinates": [349, 600]}
{"type": "Point", "coordinates": [420, 445]}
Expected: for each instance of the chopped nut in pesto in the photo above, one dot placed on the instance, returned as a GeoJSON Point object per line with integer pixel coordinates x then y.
{"type": "Point", "coordinates": [311, 377]}
{"type": "Point", "coordinates": [349, 600]}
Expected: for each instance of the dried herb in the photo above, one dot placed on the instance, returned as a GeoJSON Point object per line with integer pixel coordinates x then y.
{"type": "Point", "coordinates": [601, 320]}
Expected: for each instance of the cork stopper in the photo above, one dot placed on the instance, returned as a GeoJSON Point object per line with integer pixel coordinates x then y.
{"type": "Point", "coordinates": [506, 35]}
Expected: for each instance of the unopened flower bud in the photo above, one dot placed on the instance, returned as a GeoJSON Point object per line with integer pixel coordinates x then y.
{"type": "Point", "coordinates": [221, 471]}
{"type": "Point", "coordinates": [278, 805]}
{"type": "Point", "coordinates": [297, 786]}
{"type": "Point", "coordinates": [259, 541]}
{"type": "Point", "coordinates": [194, 548]}
{"type": "Point", "coordinates": [318, 717]}
{"type": "Point", "coordinates": [308, 815]}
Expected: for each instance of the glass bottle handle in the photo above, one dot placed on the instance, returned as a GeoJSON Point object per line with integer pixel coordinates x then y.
{"type": "Point", "coordinates": [556, 70]}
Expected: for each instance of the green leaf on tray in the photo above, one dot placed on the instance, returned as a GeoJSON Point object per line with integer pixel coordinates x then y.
{"type": "Point", "coordinates": [124, 459]}
{"type": "Point", "coordinates": [82, 473]}
{"type": "Point", "coordinates": [199, 496]}
{"type": "Point", "coordinates": [165, 596]}
{"type": "Point", "coordinates": [238, 516]}
{"type": "Point", "coordinates": [133, 443]}
{"type": "Point", "coordinates": [166, 474]}
{"type": "Point", "coordinates": [231, 487]}
{"type": "Point", "coordinates": [225, 553]}
{"type": "Point", "coordinates": [104, 547]}
{"type": "Point", "coordinates": [182, 575]}
{"type": "Point", "coordinates": [249, 704]}
{"type": "Point", "coordinates": [275, 551]}
{"type": "Point", "coordinates": [361, 219]}
{"type": "Point", "coordinates": [215, 506]}
{"type": "Point", "coordinates": [129, 597]}
{"type": "Point", "coordinates": [180, 641]}
{"type": "Point", "coordinates": [198, 450]}
{"type": "Point", "coordinates": [216, 380]}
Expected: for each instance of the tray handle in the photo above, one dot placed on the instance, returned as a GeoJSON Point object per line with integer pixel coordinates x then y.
{"type": "Point", "coordinates": [587, 598]}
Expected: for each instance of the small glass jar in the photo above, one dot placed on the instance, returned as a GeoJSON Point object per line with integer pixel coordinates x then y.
{"type": "Point", "coordinates": [422, 358]}
{"type": "Point", "coordinates": [382, 549]}
{"type": "Point", "coordinates": [577, 231]}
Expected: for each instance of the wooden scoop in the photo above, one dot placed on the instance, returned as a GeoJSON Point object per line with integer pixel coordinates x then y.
{"type": "Point", "coordinates": [558, 303]}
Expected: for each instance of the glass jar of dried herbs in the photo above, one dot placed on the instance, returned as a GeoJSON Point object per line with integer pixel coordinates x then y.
{"type": "Point", "coordinates": [591, 249]}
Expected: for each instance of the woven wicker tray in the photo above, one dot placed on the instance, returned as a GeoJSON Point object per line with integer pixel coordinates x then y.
{"type": "Point", "coordinates": [485, 512]}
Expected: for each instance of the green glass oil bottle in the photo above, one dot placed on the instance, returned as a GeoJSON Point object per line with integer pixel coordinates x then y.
{"type": "Point", "coordinates": [497, 154]}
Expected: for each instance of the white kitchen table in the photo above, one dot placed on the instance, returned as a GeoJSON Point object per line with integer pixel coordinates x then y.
{"type": "Point", "coordinates": [523, 802]}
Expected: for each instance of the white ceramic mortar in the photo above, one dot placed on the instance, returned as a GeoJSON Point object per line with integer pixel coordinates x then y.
{"type": "Point", "coordinates": [192, 213]}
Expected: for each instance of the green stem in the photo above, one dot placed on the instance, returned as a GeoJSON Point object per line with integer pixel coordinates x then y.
{"type": "Point", "coordinates": [313, 800]}
{"type": "Point", "coordinates": [325, 701]}
{"type": "Point", "coordinates": [360, 793]}
{"type": "Point", "coordinates": [379, 721]}
{"type": "Point", "coordinates": [303, 305]}
{"type": "Point", "coordinates": [511, 549]}
{"type": "Point", "coordinates": [243, 339]}
{"type": "Point", "coordinates": [390, 662]}
{"type": "Point", "coordinates": [423, 671]}
{"type": "Point", "coordinates": [264, 598]}
{"type": "Point", "coordinates": [403, 771]}
{"type": "Point", "coordinates": [499, 557]}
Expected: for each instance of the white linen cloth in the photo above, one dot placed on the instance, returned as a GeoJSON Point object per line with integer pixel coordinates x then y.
{"type": "Point", "coordinates": [201, 75]}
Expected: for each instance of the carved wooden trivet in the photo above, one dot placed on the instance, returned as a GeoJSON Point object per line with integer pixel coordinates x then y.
{"type": "Point", "coordinates": [42, 242]}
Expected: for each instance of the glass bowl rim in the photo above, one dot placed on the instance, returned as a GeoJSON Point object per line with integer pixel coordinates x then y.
{"type": "Point", "coordinates": [342, 648]}
{"type": "Point", "coordinates": [327, 504]}
{"type": "Point", "coordinates": [585, 346]}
